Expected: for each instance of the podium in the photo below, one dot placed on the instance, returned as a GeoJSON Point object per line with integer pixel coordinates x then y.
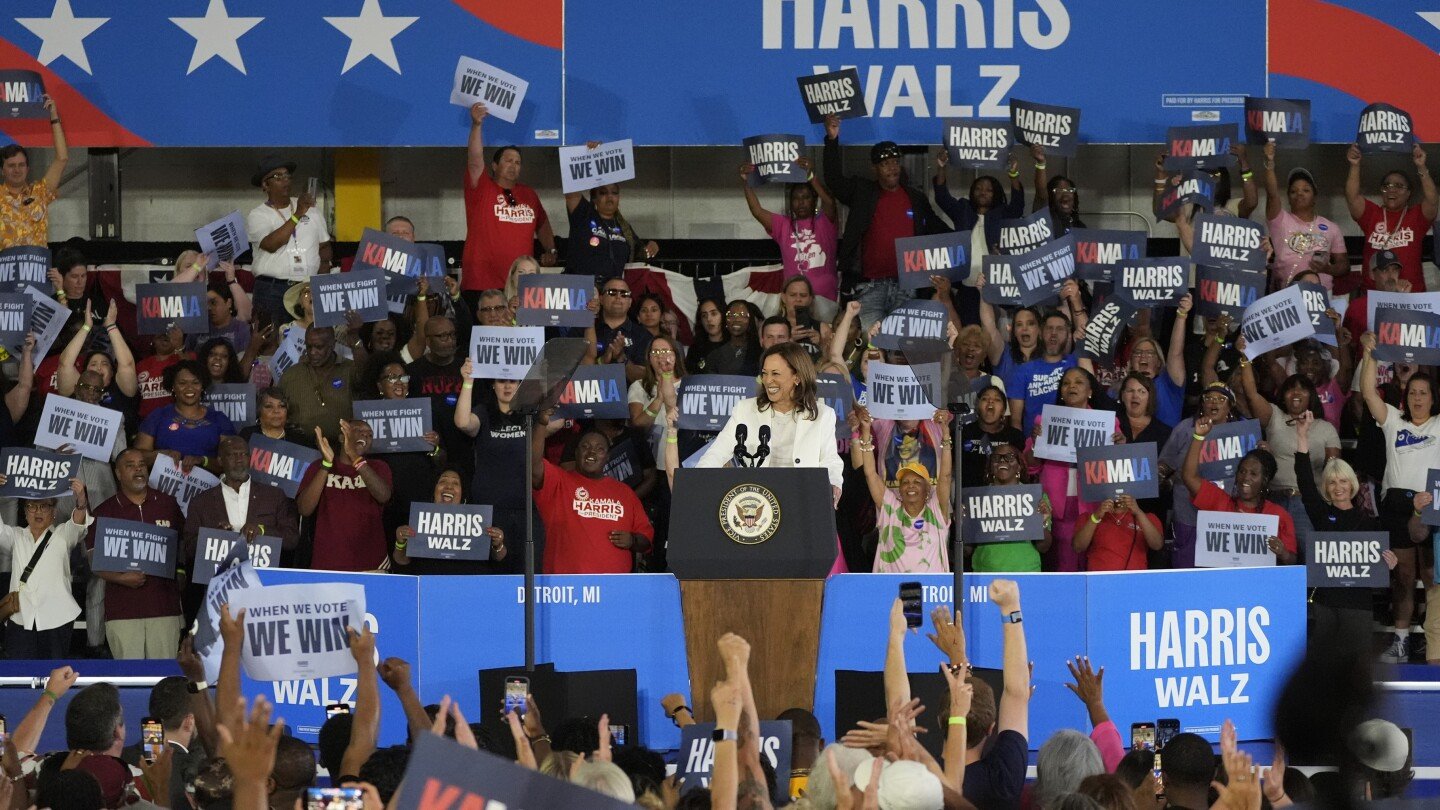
{"type": "Point", "coordinates": [752, 548]}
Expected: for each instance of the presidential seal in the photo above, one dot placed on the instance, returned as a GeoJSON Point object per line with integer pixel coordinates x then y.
{"type": "Point", "coordinates": [750, 514]}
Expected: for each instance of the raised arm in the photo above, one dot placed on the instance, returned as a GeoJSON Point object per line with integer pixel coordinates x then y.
{"type": "Point", "coordinates": [1260, 408]}
{"type": "Point", "coordinates": [840, 337]}
{"type": "Point", "coordinates": [1353, 200]}
{"type": "Point", "coordinates": [1042, 189]}
{"type": "Point", "coordinates": [17, 399]}
{"type": "Point", "coordinates": [67, 375]}
{"type": "Point", "coordinates": [757, 210]}
{"type": "Point", "coordinates": [227, 685]}
{"type": "Point", "coordinates": [997, 345]}
{"type": "Point", "coordinates": [1175, 354]}
{"type": "Point", "coordinates": [1430, 202]}
{"type": "Point", "coordinates": [947, 462]}
{"type": "Point", "coordinates": [62, 150]}
{"type": "Point", "coordinates": [1190, 468]}
{"type": "Point", "coordinates": [537, 444]}
{"type": "Point", "coordinates": [1014, 711]}
{"type": "Point", "coordinates": [465, 419]}
{"type": "Point", "coordinates": [961, 694]}
{"type": "Point", "coordinates": [475, 146]}
{"type": "Point", "coordinates": [827, 204]}
{"type": "Point", "coordinates": [1248, 196]}
{"type": "Point", "coordinates": [243, 305]}
{"type": "Point", "coordinates": [840, 184]}
{"type": "Point", "coordinates": [725, 774]}
{"type": "Point", "coordinates": [27, 735]}
{"type": "Point", "coordinates": [751, 791]}
{"type": "Point", "coordinates": [1214, 340]}
{"type": "Point", "coordinates": [1368, 387]}
{"type": "Point", "coordinates": [125, 377]}
{"type": "Point", "coordinates": [1185, 225]}
{"type": "Point", "coordinates": [396, 674]}
{"type": "Point", "coordinates": [200, 705]}
{"type": "Point", "coordinates": [365, 728]}
{"type": "Point", "coordinates": [897, 677]}
{"type": "Point", "coordinates": [1274, 203]}
{"type": "Point", "coordinates": [873, 479]}
{"type": "Point", "coordinates": [308, 498]}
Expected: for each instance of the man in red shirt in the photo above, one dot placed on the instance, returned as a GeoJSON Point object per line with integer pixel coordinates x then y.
{"type": "Point", "coordinates": [503, 217]}
{"type": "Point", "coordinates": [1115, 534]}
{"type": "Point", "coordinates": [150, 372]}
{"type": "Point", "coordinates": [142, 612]}
{"type": "Point", "coordinates": [1396, 224]}
{"type": "Point", "coordinates": [1384, 274]}
{"type": "Point", "coordinates": [347, 493]}
{"type": "Point", "coordinates": [593, 524]}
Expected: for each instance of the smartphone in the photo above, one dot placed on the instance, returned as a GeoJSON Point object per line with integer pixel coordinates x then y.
{"type": "Point", "coordinates": [312, 187]}
{"type": "Point", "coordinates": [802, 316]}
{"type": "Point", "coordinates": [4, 730]}
{"type": "Point", "coordinates": [618, 734]}
{"type": "Point", "coordinates": [1159, 777]}
{"type": "Point", "coordinates": [152, 738]}
{"type": "Point", "coordinates": [1142, 736]}
{"type": "Point", "coordinates": [336, 708]}
{"type": "Point", "coordinates": [334, 798]}
{"type": "Point", "coordinates": [1322, 256]}
{"type": "Point", "coordinates": [1165, 730]}
{"type": "Point", "coordinates": [911, 604]}
{"type": "Point", "coordinates": [517, 692]}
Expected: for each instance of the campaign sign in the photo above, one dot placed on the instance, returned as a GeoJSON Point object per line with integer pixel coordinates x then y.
{"type": "Point", "coordinates": [1042, 271]}
{"type": "Point", "coordinates": [1191, 187]}
{"type": "Point", "coordinates": [1205, 147]}
{"type": "Point", "coordinates": [398, 425]}
{"type": "Point", "coordinates": [287, 353]}
{"type": "Point", "coordinates": [128, 545]}
{"type": "Point", "coordinates": [443, 773]}
{"type": "Point", "coordinates": [1407, 336]}
{"type": "Point", "coordinates": [449, 531]}
{"type": "Point", "coordinates": [89, 429]}
{"type": "Point", "coordinates": [1102, 331]}
{"type": "Point", "coordinates": [235, 400]}
{"type": "Point", "coordinates": [22, 94]}
{"type": "Point", "coordinates": [1375, 299]}
{"type": "Point", "coordinates": [1001, 288]}
{"type": "Point", "coordinates": [837, 93]}
{"type": "Point", "coordinates": [977, 143]}
{"type": "Point", "coordinates": [234, 574]}
{"type": "Point", "coordinates": [1109, 471]}
{"type": "Point", "coordinates": [1056, 129]}
{"type": "Point", "coordinates": [1430, 515]}
{"type": "Point", "coordinates": [898, 392]}
{"type": "Point", "coordinates": [1065, 430]}
{"type": "Point", "coordinates": [1275, 321]}
{"type": "Point", "coordinates": [1286, 121]}
{"type": "Point", "coordinates": [1027, 233]}
{"type": "Point", "coordinates": [1229, 242]}
{"type": "Point", "coordinates": [160, 306]}
{"type": "Point", "coordinates": [14, 318]}
{"type": "Point", "coordinates": [1225, 445]}
{"type": "Point", "coordinates": [597, 391]}
{"type": "Point", "coordinates": [706, 400]}
{"type": "Point", "coordinates": [1347, 560]}
{"type": "Point", "coordinates": [773, 157]}
{"type": "Point", "coordinates": [583, 168]}
{"type": "Point", "coordinates": [1009, 514]}
{"type": "Point", "coordinates": [1099, 251]}
{"type": "Point", "coordinates": [911, 323]}
{"type": "Point", "coordinates": [622, 463]}
{"type": "Point", "coordinates": [697, 755]}
{"type": "Point", "coordinates": [1152, 282]}
{"type": "Point", "coordinates": [25, 264]}
{"type": "Point", "coordinates": [47, 319]}
{"type": "Point", "coordinates": [917, 258]}
{"type": "Point", "coordinates": [1234, 539]}
{"type": "Point", "coordinates": [33, 474]}
{"type": "Point", "coordinates": [167, 477]}
{"type": "Point", "coordinates": [299, 631]}
{"type": "Point", "coordinates": [1384, 128]}
{"type": "Point", "coordinates": [1317, 301]}
{"type": "Point", "coordinates": [212, 546]}
{"type": "Point", "coordinates": [504, 352]}
{"type": "Point", "coordinates": [223, 239]}
{"type": "Point", "coordinates": [836, 391]}
{"type": "Point", "coordinates": [555, 300]}
{"type": "Point", "coordinates": [401, 260]}
{"type": "Point", "coordinates": [1225, 292]}
{"type": "Point", "coordinates": [500, 92]}
{"type": "Point", "coordinates": [280, 463]}
{"type": "Point", "coordinates": [337, 294]}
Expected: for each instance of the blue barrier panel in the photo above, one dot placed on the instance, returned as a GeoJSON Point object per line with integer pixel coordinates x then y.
{"type": "Point", "coordinates": [854, 624]}
{"type": "Point", "coordinates": [618, 621]}
{"type": "Point", "coordinates": [1200, 645]}
{"type": "Point", "coordinates": [391, 608]}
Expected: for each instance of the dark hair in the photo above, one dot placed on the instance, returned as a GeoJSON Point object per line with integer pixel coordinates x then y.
{"type": "Point", "coordinates": [1223, 188]}
{"type": "Point", "coordinates": [66, 258]}
{"type": "Point", "coordinates": [1074, 801]}
{"type": "Point", "coordinates": [1098, 400]}
{"type": "Point", "coordinates": [1063, 226]}
{"type": "Point", "coordinates": [170, 701]}
{"type": "Point", "coordinates": [982, 712]}
{"type": "Point", "coordinates": [700, 343]}
{"type": "Point", "coordinates": [806, 397]}
{"type": "Point", "coordinates": [775, 320]}
{"type": "Point", "coordinates": [1149, 384]}
{"type": "Point", "coordinates": [74, 789]}
{"type": "Point", "coordinates": [606, 281]}
{"type": "Point", "coordinates": [645, 768]}
{"type": "Point", "coordinates": [294, 765]}
{"type": "Point", "coordinates": [370, 378]}
{"type": "Point", "coordinates": [403, 332]}
{"type": "Point", "coordinates": [385, 768]}
{"type": "Point", "coordinates": [1015, 352]}
{"type": "Point", "coordinates": [499, 153]}
{"type": "Point", "coordinates": [92, 717]}
{"type": "Point", "coordinates": [1405, 393]}
{"type": "Point", "coordinates": [639, 302]}
{"type": "Point", "coordinates": [333, 740]}
{"type": "Point", "coordinates": [1266, 461]}
{"type": "Point", "coordinates": [10, 150]}
{"type": "Point", "coordinates": [232, 371]}
{"type": "Point", "coordinates": [997, 191]}
{"type": "Point", "coordinates": [1135, 766]}
{"type": "Point", "coordinates": [193, 366]}
{"type": "Point", "coordinates": [405, 220]}
{"type": "Point", "coordinates": [1108, 791]}
{"type": "Point", "coordinates": [1410, 183]}
{"type": "Point", "coordinates": [1303, 383]}
{"type": "Point", "coordinates": [790, 190]}
{"type": "Point", "coordinates": [1189, 761]}
{"type": "Point", "coordinates": [694, 799]}
{"type": "Point", "coordinates": [271, 392]}
{"type": "Point", "coordinates": [222, 289]}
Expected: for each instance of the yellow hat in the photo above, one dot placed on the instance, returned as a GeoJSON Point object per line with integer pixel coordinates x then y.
{"type": "Point", "coordinates": [913, 467]}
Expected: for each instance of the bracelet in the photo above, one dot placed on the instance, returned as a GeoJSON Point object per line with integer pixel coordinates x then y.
{"type": "Point", "coordinates": [326, 464]}
{"type": "Point", "coordinates": [85, 328]}
{"type": "Point", "coordinates": [671, 440]}
{"type": "Point", "coordinates": [468, 384]}
{"type": "Point", "coordinates": [1219, 341]}
{"type": "Point", "coordinates": [54, 698]}
{"type": "Point", "coordinates": [1417, 513]}
{"type": "Point", "coordinates": [435, 452]}
{"type": "Point", "coordinates": [1244, 363]}
{"type": "Point", "coordinates": [956, 721]}
{"type": "Point", "coordinates": [295, 219]}
{"type": "Point", "coordinates": [54, 120]}
{"type": "Point", "coordinates": [229, 281]}
{"type": "Point", "coordinates": [420, 298]}
{"type": "Point", "coordinates": [401, 544]}
{"type": "Point", "coordinates": [681, 708]}
{"type": "Point", "coordinates": [1095, 518]}
{"type": "Point", "coordinates": [809, 177]}
{"type": "Point", "coordinates": [1180, 314]}
{"type": "Point", "coordinates": [1197, 437]}
{"type": "Point", "coordinates": [109, 326]}
{"type": "Point", "coordinates": [1159, 184]}
{"type": "Point", "coordinates": [1012, 175]}
{"type": "Point", "coordinates": [1247, 176]}
{"type": "Point", "coordinates": [650, 412]}
{"type": "Point", "coordinates": [1040, 167]}
{"type": "Point", "coordinates": [361, 464]}
{"type": "Point", "coordinates": [545, 738]}
{"type": "Point", "coordinates": [261, 527]}
{"type": "Point", "coordinates": [855, 434]}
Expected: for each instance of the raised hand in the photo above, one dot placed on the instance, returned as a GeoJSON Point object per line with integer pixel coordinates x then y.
{"type": "Point", "coordinates": [478, 112]}
{"type": "Point", "coordinates": [326, 451]}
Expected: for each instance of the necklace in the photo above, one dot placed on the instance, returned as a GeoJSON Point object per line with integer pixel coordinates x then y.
{"type": "Point", "coordinates": [1390, 232]}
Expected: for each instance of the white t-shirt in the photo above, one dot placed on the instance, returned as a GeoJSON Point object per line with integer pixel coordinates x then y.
{"type": "Point", "coordinates": [299, 257]}
{"type": "Point", "coordinates": [1411, 450]}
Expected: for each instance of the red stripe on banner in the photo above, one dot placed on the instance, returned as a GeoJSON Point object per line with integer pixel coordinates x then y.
{"type": "Point", "coordinates": [539, 21]}
{"type": "Point", "coordinates": [85, 124]}
{"type": "Point", "coordinates": [1376, 62]}
{"type": "Point", "coordinates": [766, 281]}
{"type": "Point", "coordinates": [642, 281]}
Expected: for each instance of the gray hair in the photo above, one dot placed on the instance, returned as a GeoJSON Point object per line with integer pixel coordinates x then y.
{"type": "Point", "coordinates": [820, 790]}
{"type": "Point", "coordinates": [605, 778]}
{"type": "Point", "coordinates": [1064, 760]}
{"type": "Point", "coordinates": [1339, 468]}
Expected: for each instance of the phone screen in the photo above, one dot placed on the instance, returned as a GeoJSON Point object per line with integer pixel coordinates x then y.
{"type": "Point", "coordinates": [618, 733]}
{"type": "Point", "coordinates": [1165, 731]}
{"type": "Point", "coordinates": [336, 708]}
{"type": "Point", "coordinates": [517, 690]}
{"type": "Point", "coordinates": [910, 603]}
{"type": "Point", "coordinates": [152, 737]}
{"type": "Point", "coordinates": [1142, 736]}
{"type": "Point", "coordinates": [333, 798]}
{"type": "Point", "coordinates": [4, 730]}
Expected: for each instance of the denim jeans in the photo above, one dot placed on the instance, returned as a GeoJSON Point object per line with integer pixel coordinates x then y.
{"type": "Point", "coordinates": [269, 297]}
{"type": "Point", "coordinates": [877, 299]}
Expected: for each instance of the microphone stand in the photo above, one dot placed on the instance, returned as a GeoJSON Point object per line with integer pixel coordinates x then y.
{"type": "Point", "coordinates": [958, 410]}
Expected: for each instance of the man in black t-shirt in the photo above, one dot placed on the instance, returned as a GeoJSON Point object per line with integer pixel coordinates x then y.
{"type": "Point", "coordinates": [436, 374]}
{"type": "Point", "coordinates": [617, 337]}
{"type": "Point", "coordinates": [600, 243]}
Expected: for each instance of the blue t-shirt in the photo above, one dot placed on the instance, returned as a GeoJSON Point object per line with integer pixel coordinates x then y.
{"type": "Point", "coordinates": [197, 438]}
{"type": "Point", "coordinates": [1169, 399]}
{"type": "Point", "coordinates": [1036, 382]}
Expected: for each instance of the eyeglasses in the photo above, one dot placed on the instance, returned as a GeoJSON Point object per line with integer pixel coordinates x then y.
{"type": "Point", "coordinates": [37, 506]}
{"type": "Point", "coordinates": [396, 378]}
{"type": "Point", "coordinates": [278, 176]}
{"type": "Point", "coordinates": [1214, 399]}
{"type": "Point", "coordinates": [494, 308]}
{"type": "Point", "coordinates": [614, 292]}
{"type": "Point", "coordinates": [1064, 192]}
{"type": "Point", "coordinates": [736, 315]}
{"type": "Point", "coordinates": [1145, 353]}
{"type": "Point", "coordinates": [662, 352]}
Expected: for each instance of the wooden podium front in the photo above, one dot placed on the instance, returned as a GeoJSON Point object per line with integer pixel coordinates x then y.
{"type": "Point", "coordinates": [781, 620]}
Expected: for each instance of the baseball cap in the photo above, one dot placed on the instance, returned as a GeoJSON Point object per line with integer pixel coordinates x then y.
{"type": "Point", "coordinates": [1378, 744]}
{"type": "Point", "coordinates": [884, 150]}
{"type": "Point", "coordinates": [1302, 173]}
{"type": "Point", "coordinates": [904, 785]}
{"type": "Point", "coordinates": [112, 774]}
{"type": "Point", "coordinates": [1383, 258]}
{"type": "Point", "coordinates": [1219, 388]}
{"type": "Point", "coordinates": [914, 467]}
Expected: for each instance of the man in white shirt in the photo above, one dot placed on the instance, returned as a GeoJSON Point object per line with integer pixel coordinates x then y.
{"type": "Point", "coordinates": [42, 626]}
{"type": "Point", "coordinates": [289, 239]}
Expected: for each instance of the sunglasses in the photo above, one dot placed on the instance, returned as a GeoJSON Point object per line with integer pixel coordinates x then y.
{"type": "Point", "coordinates": [396, 378]}
{"type": "Point", "coordinates": [494, 308]}
{"type": "Point", "coordinates": [622, 293]}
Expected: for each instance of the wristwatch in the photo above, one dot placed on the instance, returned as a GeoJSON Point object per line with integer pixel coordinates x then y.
{"type": "Point", "coordinates": [196, 687]}
{"type": "Point", "coordinates": [724, 735]}
{"type": "Point", "coordinates": [1012, 618]}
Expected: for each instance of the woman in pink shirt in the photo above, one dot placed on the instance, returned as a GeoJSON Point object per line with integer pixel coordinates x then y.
{"type": "Point", "coordinates": [1303, 240]}
{"type": "Point", "coordinates": [807, 235]}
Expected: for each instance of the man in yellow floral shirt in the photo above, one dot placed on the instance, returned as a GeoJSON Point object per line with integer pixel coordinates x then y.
{"type": "Point", "coordinates": [25, 206]}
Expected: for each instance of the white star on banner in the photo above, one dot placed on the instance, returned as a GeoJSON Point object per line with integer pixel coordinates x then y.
{"type": "Point", "coordinates": [1432, 17]}
{"type": "Point", "coordinates": [216, 34]}
{"type": "Point", "coordinates": [63, 34]}
{"type": "Point", "coordinates": [371, 34]}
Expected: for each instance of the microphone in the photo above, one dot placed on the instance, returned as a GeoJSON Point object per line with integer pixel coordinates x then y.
{"type": "Point", "coordinates": [764, 450]}
{"type": "Point", "coordinates": [741, 432]}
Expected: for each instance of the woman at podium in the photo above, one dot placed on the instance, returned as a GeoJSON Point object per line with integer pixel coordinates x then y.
{"type": "Point", "coordinates": [785, 425]}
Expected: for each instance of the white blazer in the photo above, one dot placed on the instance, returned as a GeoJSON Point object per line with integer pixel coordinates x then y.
{"type": "Point", "coordinates": [814, 439]}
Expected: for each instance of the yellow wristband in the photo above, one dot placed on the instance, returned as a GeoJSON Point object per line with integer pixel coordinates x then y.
{"type": "Point", "coordinates": [956, 721]}
{"type": "Point", "coordinates": [468, 384]}
{"type": "Point", "coordinates": [1197, 437]}
{"type": "Point", "coordinates": [1095, 518]}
